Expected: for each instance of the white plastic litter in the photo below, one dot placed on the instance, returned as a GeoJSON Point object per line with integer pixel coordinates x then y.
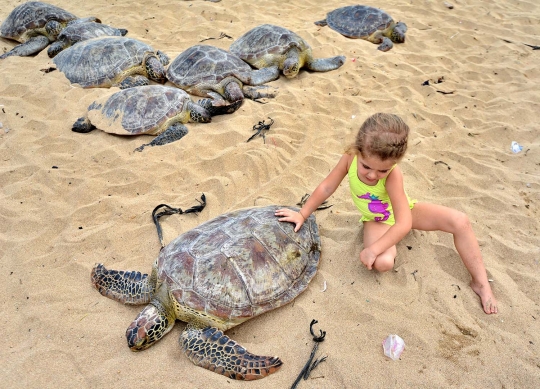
{"type": "Point", "coordinates": [516, 147]}
{"type": "Point", "coordinates": [393, 346]}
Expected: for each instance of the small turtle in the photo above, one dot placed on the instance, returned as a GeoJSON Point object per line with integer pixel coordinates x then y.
{"type": "Point", "coordinates": [34, 24]}
{"type": "Point", "coordinates": [209, 71]}
{"type": "Point", "coordinates": [112, 61]}
{"type": "Point", "coordinates": [214, 277]}
{"type": "Point", "coordinates": [149, 109]}
{"type": "Point", "coordinates": [77, 32]}
{"type": "Point", "coordinates": [273, 46]}
{"type": "Point", "coordinates": [364, 22]}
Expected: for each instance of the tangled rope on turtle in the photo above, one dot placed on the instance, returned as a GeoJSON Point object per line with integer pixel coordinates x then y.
{"type": "Point", "coordinates": [171, 211]}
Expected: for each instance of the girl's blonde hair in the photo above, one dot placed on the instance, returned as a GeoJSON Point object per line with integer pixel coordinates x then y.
{"type": "Point", "coordinates": [382, 135]}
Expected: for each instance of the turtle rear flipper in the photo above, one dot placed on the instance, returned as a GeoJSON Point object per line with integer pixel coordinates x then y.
{"type": "Point", "coordinates": [211, 349]}
{"type": "Point", "coordinates": [127, 287]}
{"type": "Point", "coordinates": [326, 64]}
{"type": "Point", "coordinates": [31, 46]}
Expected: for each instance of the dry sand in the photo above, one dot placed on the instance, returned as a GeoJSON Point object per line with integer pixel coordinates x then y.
{"type": "Point", "coordinates": [70, 200]}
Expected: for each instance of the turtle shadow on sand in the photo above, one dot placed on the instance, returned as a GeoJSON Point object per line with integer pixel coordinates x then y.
{"type": "Point", "coordinates": [35, 24]}
{"type": "Point", "coordinates": [214, 277]}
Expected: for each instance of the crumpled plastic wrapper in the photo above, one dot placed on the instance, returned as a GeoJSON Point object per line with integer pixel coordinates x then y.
{"type": "Point", "coordinates": [393, 346]}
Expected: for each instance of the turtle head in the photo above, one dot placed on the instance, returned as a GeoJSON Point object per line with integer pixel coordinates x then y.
{"type": "Point", "coordinates": [398, 33]}
{"type": "Point", "coordinates": [55, 48]}
{"type": "Point", "coordinates": [198, 113]}
{"type": "Point", "coordinates": [154, 68]}
{"type": "Point", "coordinates": [233, 91]}
{"type": "Point", "coordinates": [291, 67]}
{"type": "Point", "coordinates": [149, 326]}
{"type": "Point", "coordinates": [53, 29]}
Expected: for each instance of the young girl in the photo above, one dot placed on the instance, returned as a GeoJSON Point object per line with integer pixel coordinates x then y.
{"type": "Point", "coordinates": [376, 184]}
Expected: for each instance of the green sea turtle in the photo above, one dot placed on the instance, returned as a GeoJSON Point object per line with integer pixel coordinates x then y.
{"type": "Point", "coordinates": [149, 109]}
{"type": "Point", "coordinates": [214, 277]}
{"type": "Point", "coordinates": [34, 24]}
{"type": "Point", "coordinates": [77, 32]}
{"type": "Point", "coordinates": [112, 61]}
{"type": "Point", "coordinates": [273, 46]}
{"type": "Point", "coordinates": [209, 71]}
{"type": "Point", "coordinates": [364, 22]}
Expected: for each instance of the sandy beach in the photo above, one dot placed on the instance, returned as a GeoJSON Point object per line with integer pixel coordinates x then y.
{"type": "Point", "coordinates": [71, 200]}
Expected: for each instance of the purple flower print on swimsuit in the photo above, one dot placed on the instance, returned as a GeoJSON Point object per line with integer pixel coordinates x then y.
{"type": "Point", "coordinates": [376, 206]}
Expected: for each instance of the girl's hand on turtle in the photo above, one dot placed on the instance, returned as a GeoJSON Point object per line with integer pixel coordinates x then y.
{"type": "Point", "coordinates": [288, 215]}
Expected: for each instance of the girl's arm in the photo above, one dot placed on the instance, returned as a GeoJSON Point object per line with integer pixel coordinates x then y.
{"type": "Point", "coordinates": [319, 195]}
{"type": "Point", "coordinates": [402, 214]}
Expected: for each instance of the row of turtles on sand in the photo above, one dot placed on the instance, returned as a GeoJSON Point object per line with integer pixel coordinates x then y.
{"type": "Point", "coordinates": [35, 24]}
{"type": "Point", "coordinates": [103, 57]}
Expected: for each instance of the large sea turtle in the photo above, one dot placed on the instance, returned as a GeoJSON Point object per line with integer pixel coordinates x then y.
{"type": "Point", "coordinates": [112, 61]}
{"type": "Point", "coordinates": [149, 109]}
{"type": "Point", "coordinates": [34, 24]}
{"type": "Point", "coordinates": [273, 46]}
{"type": "Point", "coordinates": [364, 22]}
{"type": "Point", "coordinates": [209, 71]}
{"type": "Point", "coordinates": [214, 277]}
{"type": "Point", "coordinates": [77, 32]}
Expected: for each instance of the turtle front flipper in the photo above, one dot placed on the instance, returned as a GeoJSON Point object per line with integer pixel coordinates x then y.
{"type": "Point", "coordinates": [385, 45]}
{"type": "Point", "coordinates": [326, 64]}
{"type": "Point", "coordinates": [31, 46]}
{"type": "Point", "coordinates": [259, 92]}
{"type": "Point", "coordinates": [154, 321]}
{"type": "Point", "coordinates": [210, 348]}
{"type": "Point", "coordinates": [128, 287]}
{"type": "Point", "coordinates": [132, 81]}
{"type": "Point", "coordinates": [260, 76]}
{"type": "Point", "coordinates": [173, 133]}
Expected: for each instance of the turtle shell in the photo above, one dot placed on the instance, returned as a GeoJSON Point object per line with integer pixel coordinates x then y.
{"type": "Point", "coordinates": [78, 32]}
{"type": "Point", "coordinates": [204, 64]}
{"type": "Point", "coordinates": [98, 62]}
{"type": "Point", "coordinates": [239, 265]}
{"type": "Point", "coordinates": [145, 109]}
{"type": "Point", "coordinates": [358, 21]}
{"type": "Point", "coordinates": [21, 23]}
{"type": "Point", "coordinates": [267, 40]}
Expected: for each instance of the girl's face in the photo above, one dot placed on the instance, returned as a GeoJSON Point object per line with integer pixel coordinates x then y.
{"type": "Point", "coordinates": [371, 169]}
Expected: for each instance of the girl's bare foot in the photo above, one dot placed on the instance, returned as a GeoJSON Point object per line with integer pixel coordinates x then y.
{"type": "Point", "coordinates": [489, 303]}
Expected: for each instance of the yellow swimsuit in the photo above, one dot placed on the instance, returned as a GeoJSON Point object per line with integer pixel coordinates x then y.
{"type": "Point", "coordinates": [373, 202]}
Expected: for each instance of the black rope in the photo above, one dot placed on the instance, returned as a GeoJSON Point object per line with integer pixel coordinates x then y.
{"type": "Point", "coordinates": [171, 211]}
{"type": "Point", "coordinates": [261, 129]}
{"type": "Point", "coordinates": [310, 364]}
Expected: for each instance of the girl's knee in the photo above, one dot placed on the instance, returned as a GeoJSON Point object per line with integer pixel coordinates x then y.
{"type": "Point", "coordinates": [384, 263]}
{"type": "Point", "coordinates": [461, 222]}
